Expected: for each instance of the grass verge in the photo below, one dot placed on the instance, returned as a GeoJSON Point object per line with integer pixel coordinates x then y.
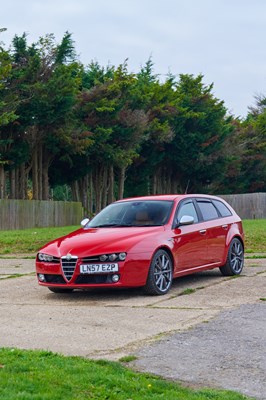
{"type": "Point", "coordinates": [42, 375]}
{"type": "Point", "coordinates": [30, 240]}
{"type": "Point", "coordinates": [255, 235]}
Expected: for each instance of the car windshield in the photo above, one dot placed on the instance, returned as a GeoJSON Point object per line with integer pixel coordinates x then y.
{"type": "Point", "coordinates": [133, 213]}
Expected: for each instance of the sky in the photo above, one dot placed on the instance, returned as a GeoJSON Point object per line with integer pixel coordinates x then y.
{"type": "Point", "coordinates": [224, 40]}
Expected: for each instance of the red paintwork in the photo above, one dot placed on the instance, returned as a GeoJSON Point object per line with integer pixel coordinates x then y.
{"type": "Point", "coordinates": [191, 251]}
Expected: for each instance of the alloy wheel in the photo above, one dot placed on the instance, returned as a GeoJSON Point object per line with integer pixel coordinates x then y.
{"type": "Point", "coordinates": [236, 256]}
{"type": "Point", "coordinates": [160, 274]}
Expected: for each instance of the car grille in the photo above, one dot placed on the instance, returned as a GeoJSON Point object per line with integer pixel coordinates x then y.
{"type": "Point", "coordinates": [68, 266]}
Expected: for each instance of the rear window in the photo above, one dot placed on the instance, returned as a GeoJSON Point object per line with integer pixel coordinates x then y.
{"type": "Point", "coordinates": [221, 207]}
{"type": "Point", "coordinates": [208, 210]}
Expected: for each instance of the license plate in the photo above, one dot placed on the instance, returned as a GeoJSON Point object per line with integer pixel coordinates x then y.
{"type": "Point", "coordinates": [98, 268]}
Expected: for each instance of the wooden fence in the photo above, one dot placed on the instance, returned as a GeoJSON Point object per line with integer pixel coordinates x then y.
{"type": "Point", "coordinates": [22, 214]}
{"type": "Point", "coordinates": [249, 205]}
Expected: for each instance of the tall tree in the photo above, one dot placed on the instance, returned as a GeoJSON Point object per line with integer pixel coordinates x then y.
{"type": "Point", "coordinates": [200, 127]}
{"type": "Point", "coordinates": [187, 128]}
{"type": "Point", "coordinates": [253, 148]}
{"type": "Point", "coordinates": [158, 102]}
{"type": "Point", "coordinates": [116, 128]}
{"type": "Point", "coordinates": [48, 79]}
{"type": "Point", "coordinates": [8, 104]}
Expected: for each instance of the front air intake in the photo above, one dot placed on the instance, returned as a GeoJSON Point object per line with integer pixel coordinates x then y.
{"type": "Point", "coordinates": [68, 265]}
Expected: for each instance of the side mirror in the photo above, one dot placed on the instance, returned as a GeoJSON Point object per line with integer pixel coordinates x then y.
{"type": "Point", "coordinates": [84, 222]}
{"type": "Point", "coordinates": [186, 220]}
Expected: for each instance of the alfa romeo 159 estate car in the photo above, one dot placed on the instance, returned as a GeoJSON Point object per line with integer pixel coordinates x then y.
{"type": "Point", "coordinates": [145, 242]}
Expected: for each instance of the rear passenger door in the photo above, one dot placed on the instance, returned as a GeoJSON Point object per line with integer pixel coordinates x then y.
{"type": "Point", "coordinates": [216, 230]}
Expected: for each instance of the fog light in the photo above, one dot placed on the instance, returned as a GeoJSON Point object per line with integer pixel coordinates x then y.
{"type": "Point", "coordinates": [115, 278]}
{"type": "Point", "coordinates": [41, 277]}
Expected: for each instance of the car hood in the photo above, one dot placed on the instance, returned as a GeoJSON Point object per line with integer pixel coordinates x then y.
{"type": "Point", "coordinates": [95, 241]}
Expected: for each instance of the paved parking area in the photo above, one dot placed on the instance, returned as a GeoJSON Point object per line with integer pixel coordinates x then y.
{"type": "Point", "coordinates": [227, 352]}
{"type": "Point", "coordinates": [110, 324]}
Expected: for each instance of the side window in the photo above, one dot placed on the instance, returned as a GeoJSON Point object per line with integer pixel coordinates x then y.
{"type": "Point", "coordinates": [208, 210]}
{"type": "Point", "coordinates": [223, 210]}
{"type": "Point", "coordinates": [187, 209]}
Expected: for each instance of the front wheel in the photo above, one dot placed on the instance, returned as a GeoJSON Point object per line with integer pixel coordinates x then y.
{"type": "Point", "coordinates": [235, 259]}
{"type": "Point", "coordinates": [60, 290]}
{"type": "Point", "coordinates": [160, 274]}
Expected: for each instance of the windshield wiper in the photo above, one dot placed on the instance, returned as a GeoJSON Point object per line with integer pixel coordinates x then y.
{"type": "Point", "coordinates": [144, 226]}
{"type": "Point", "coordinates": [111, 225]}
{"type": "Point", "coordinates": [123, 225]}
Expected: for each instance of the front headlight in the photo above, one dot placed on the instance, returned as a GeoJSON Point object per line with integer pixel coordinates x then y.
{"type": "Point", "coordinates": [112, 257]}
{"type": "Point", "coordinates": [103, 258]}
{"type": "Point", "coordinates": [45, 257]}
{"type": "Point", "coordinates": [122, 256]}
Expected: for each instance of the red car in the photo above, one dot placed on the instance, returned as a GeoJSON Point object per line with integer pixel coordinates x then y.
{"type": "Point", "coordinates": [145, 241]}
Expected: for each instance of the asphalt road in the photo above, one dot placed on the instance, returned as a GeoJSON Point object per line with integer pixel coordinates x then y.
{"type": "Point", "coordinates": [213, 336]}
{"type": "Point", "coordinates": [227, 352]}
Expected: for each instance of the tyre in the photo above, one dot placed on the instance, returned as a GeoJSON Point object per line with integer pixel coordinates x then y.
{"type": "Point", "coordinates": [235, 259]}
{"type": "Point", "coordinates": [160, 274]}
{"type": "Point", "coordinates": [60, 290]}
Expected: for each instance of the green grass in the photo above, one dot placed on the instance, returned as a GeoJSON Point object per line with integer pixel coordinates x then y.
{"type": "Point", "coordinates": [42, 375]}
{"type": "Point", "coordinates": [255, 235]}
{"type": "Point", "coordinates": [127, 359]}
{"type": "Point", "coordinates": [187, 291]}
{"type": "Point", "coordinates": [30, 240]}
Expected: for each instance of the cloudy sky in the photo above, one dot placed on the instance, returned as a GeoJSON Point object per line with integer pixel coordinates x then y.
{"type": "Point", "coordinates": [222, 39]}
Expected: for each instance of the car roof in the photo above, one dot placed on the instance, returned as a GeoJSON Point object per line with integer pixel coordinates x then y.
{"type": "Point", "coordinates": [169, 197]}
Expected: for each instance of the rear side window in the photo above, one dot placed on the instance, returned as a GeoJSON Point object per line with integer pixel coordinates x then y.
{"type": "Point", "coordinates": [208, 210]}
{"type": "Point", "coordinates": [223, 210]}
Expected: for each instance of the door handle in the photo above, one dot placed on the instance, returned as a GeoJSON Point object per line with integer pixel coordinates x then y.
{"type": "Point", "coordinates": [203, 231]}
{"type": "Point", "coordinates": [225, 226]}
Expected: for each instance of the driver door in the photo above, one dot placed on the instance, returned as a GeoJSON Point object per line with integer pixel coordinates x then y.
{"type": "Point", "coordinates": [190, 241]}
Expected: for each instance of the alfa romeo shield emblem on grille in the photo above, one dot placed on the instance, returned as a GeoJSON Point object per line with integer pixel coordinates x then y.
{"type": "Point", "coordinates": [68, 265]}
